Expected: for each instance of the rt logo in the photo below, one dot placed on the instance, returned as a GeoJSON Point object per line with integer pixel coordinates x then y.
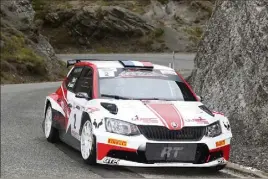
{"type": "Point", "coordinates": [171, 152]}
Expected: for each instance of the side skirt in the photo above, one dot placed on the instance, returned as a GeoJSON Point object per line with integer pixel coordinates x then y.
{"type": "Point", "coordinates": [69, 139]}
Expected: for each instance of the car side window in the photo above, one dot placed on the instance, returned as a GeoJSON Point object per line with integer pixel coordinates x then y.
{"type": "Point", "coordinates": [85, 82]}
{"type": "Point", "coordinates": [72, 78]}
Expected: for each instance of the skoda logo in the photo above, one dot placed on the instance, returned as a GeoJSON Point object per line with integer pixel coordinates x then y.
{"type": "Point", "coordinates": [174, 124]}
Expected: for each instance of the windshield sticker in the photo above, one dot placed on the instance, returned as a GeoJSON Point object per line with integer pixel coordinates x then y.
{"type": "Point", "coordinates": [140, 74]}
{"type": "Point", "coordinates": [106, 73]}
{"type": "Point", "coordinates": [168, 72]}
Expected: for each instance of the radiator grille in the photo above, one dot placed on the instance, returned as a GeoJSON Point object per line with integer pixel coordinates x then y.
{"type": "Point", "coordinates": [161, 133]}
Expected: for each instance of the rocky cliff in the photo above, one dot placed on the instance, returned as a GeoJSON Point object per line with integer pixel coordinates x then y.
{"type": "Point", "coordinates": [99, 26]}
{"type": "Point", "coordinates": [123, 26]}
{"type": "Point", "coordinates": [26, 55]}
{"type": "Point", "coordinates": [231, 73]}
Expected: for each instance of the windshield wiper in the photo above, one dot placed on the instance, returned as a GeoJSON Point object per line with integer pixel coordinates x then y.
{"type": "Point", "coordinates": [114, 96]}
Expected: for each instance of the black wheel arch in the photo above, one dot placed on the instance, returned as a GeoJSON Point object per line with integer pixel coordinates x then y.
{"type": "Point", "coordinates": [47, 103]}
{"type": "Point", "coordinates": [85, 117]}
{"type": "Point", "coordinates": [54, 124]}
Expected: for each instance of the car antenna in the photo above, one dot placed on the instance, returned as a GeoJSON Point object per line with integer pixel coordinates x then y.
{"type": "Point", "coordinates": [172, 65]}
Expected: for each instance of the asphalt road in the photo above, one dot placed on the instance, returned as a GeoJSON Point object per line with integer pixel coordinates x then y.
{"type": "Point", "coordinates": [26, 153]}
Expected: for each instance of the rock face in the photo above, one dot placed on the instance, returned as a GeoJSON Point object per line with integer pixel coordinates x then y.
{"type": "Point", "coordinates": [231, 73]}
{"type": "Point", "coordinates": [24, 51]}
{"type": "Point", "coordinates": [183, 21]}
{"type": "Point", "coordinates": [100, 22]}
{"type": "Point", "coordinates": [106, 21]}
{"type": "Point", "coordinates": [124, 26]}
{"type": "Point", "coordinates": [20, 14]}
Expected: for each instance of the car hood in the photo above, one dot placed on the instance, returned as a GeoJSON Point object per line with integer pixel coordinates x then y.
{"type": "Point", "coordinates": [172, 114]}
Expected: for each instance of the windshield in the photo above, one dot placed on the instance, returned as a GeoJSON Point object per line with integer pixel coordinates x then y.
{"type": "Point", "coordinates": [145, 85]}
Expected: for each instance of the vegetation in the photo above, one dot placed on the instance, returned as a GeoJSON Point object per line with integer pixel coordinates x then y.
{"type": "Point", "coordinates": [42, 7]}
{"type": "Point", "coordinates": [64, 41]}
{"type": "Point", "coordinates": [157, 33]}
{"type": "Point", "coordinates": [205, 5]}
{"type": "Point", "coordinates": [195, 33]}
{"type": "Point", "coordinates": [19, 60]}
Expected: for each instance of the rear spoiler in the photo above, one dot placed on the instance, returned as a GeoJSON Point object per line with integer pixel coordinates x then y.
{"type": "Point", "coordinates": [74, 61]}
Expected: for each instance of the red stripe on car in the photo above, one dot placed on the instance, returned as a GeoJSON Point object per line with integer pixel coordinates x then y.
{"type": "Point", "coordinates": [168, 114]}
{"type": "Point", "coordinates": [103, 149]}
{"type": "Point", "coordinates": [225, 150]}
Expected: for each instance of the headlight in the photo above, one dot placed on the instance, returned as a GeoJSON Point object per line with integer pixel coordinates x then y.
{"type": "Point", "coordinates": [121, 127]}
{"type": "Point", "coordinates": [214, 130]}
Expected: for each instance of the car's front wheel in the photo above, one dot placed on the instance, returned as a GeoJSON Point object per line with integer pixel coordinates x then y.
{"type": "Point", "coordinates": [51, 133]}
{"type": "Point", "coordinates": [88, 144]}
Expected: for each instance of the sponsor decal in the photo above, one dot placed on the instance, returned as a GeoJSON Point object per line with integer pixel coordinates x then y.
{"type": "Point", "coordinates": [92, 109]}
{"type": "Point", "coordinates": [145, 120]}
{"type": "Point", "coordinates": [197, 120]}
{"type": "Point", "coordinates": [220, 143]}
{"type": "Point", "coordinates": [97, 125]}
{"type": "Point", "coordinates": [215, 112]}
{"type": "Point", "coordinates": [171, 152]}
{"type": "Point", "coordinates": [111, 161]}
{"type": "Point", "coordinates": [117, 142]}
{"type": "Point", "coordinates": [106, 73]}
{"type": "Point", "coordinates": [168, 72]}
{"type": "Point", "coordinates": [221, 161]}
{"type": "Point", "coordinates": [140, 74]}
{"type": "Point", "coordinates": [75, 135]}
{"type": "Point", "coordinates": [227, 125]}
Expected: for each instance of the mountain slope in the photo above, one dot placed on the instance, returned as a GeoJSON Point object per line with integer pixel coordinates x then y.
{"type": "Point", "coordinates": [99, 26]}
{"type": "Point", "coordinates": [26, 55]}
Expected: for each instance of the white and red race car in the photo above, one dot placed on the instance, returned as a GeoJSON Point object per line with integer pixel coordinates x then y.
{"type": "Point", "coordinates": [134, 113]}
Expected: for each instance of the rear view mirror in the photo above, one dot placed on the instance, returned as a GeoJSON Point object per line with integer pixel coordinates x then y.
{"type": "Point", "coordinates": [82, 95]}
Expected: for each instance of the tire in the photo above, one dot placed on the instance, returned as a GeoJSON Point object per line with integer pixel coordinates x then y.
{"type": "Point", "coordinates": [88, 144]}
{"type": "Point", "coordinates": [51, 133]}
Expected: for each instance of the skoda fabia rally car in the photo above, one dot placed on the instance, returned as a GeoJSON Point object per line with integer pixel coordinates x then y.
{"type": "Point", "coordinates": [134, 113]}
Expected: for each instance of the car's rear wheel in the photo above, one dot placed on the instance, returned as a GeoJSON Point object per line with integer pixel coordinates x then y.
{"type": "Point", "coordinates": [88, 144]}
{"type": "Point", "coordinates": [51, 133]}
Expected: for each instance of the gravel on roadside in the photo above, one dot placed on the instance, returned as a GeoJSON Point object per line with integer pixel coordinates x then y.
{"type": "Point", "coordinates": [250, 156]}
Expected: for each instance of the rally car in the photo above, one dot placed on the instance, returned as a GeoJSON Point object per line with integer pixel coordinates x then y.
{"type": "Point", "coordinates": [135, 113]}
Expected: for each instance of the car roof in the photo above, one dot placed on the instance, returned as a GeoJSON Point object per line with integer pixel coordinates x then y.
{"type": "Point", "coordinates": [117, 64]}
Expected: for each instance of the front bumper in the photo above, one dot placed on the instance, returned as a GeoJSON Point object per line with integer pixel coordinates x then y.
{"type": "Point", "coordinates": [138, 151]}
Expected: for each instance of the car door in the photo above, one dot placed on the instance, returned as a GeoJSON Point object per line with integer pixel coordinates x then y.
{"type": "Point", "coordinates": [84, 86]}
{"type": "Point", "coordinates": [68, 87]}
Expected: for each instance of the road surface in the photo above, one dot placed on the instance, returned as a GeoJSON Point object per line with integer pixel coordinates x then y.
{"type": "Point", "coordinates": [26, 153]}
